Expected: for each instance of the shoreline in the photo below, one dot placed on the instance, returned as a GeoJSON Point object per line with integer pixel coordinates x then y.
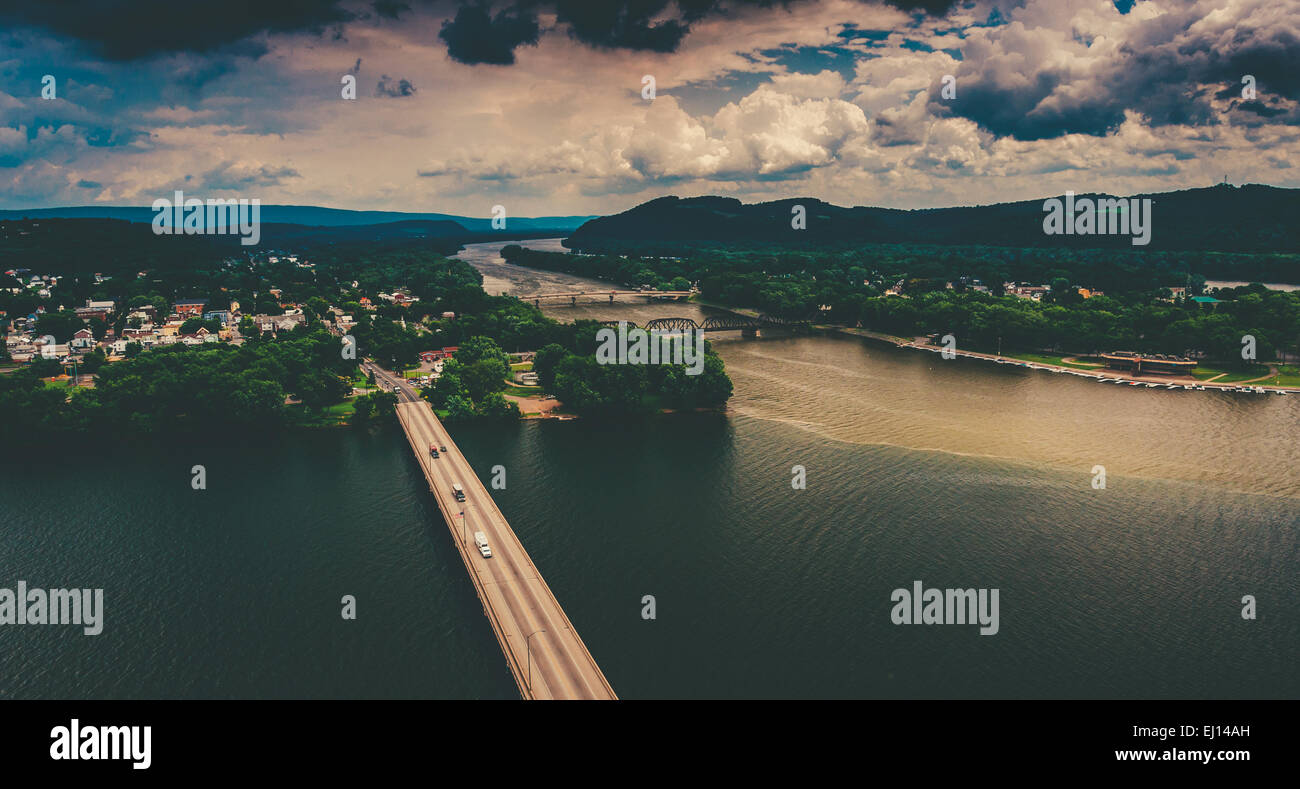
{"type": "Point", "coordinates": [1169, 383]}
{"type": "Point", "coordinates": [1180, 382]}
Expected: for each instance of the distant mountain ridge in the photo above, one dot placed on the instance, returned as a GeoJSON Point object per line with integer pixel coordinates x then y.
{"type": "Point", "coordinates": [310, 216]}
{"type": "Point", "coordinates": [1250, 218]}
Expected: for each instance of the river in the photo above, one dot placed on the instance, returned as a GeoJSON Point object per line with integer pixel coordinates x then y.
{"type": "Point", "coordinates": [953, 473]}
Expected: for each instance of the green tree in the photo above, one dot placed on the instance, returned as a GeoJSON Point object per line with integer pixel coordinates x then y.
{"type": "Point", "coordinates": [60, 325]}
{"type": "Point", "coordinates": [496, 406]}
{"type": "Point", "coordinates": [545, 361]}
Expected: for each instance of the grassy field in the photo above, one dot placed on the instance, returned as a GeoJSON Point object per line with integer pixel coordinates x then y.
{"type": "Point", "coordinates": [1230, 375]}
{"type": "Point", "coordinates": [521, 367]}
{"type": "Point", "coordinates": [1288, 375]}
{"type": "Point", "coordinates": [337, 414]}
{"type": "Point", "coordinates": [866, 332]}
{"type": "Point", "coordinates": [514, 390]}
{"type": "Point", "coordinates": [1057, 359]}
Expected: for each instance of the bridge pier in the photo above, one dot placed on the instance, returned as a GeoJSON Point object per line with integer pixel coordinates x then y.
{"type": "Point", "coordinates": [573, 301]}
{"type": "Point", "coordinates": [749, 334]}
{"type": "Point", "coordinates": [611, 298]}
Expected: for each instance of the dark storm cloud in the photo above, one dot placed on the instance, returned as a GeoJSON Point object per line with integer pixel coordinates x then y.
{"type": "Point", "coordinates": [474, 36]}
{"type": "Point", "coordinates": [123, 31]}
{"type": "Point", "coordinates": [627, 25]}
{"type": "Point", "coordinates": [1161, 72]}
{"type": "Point", "coordinates": [1021, 111]}
{"type": "Point", "coordinates": [140, 28]}
{"type": "Point", "coordinates": [642, 25]}
{"type": "Point", "coordinates": [233, 177]}
{"type": "Point", "coordinates": [1261, 109]}
{"type": "Point", "coordinates": [390, 9]}
{"type": "Point", "coordinates": [395, 88]}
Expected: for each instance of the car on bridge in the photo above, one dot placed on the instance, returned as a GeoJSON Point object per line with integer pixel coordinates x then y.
{"type": "Point", "coordinates": [480, 539]}
{"type": "Point", "coordinates": [433, 450]}
{"type": "Point", "coordinates": [457, 492]}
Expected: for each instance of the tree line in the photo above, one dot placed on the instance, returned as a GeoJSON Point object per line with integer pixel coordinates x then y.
{"type": "Point", "coordinates": [848, 288]}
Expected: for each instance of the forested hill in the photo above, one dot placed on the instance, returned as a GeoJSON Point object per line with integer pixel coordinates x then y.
{"type": "Point", "coordinates": [312, 216]}
{"type": "Point", "coordinates": [1250, 218]}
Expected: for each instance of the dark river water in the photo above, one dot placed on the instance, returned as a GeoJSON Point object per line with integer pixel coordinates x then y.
{"type": "Point", "coordinates": [957, 474]}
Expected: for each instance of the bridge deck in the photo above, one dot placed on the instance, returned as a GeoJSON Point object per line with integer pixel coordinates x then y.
{"type": "Point", "coordinates": [516, 600]}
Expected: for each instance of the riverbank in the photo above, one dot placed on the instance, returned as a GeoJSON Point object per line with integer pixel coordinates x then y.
{"type": "Point", "coordinates": [1059, 365]}
{"type": "Point", "coordinates": [1183, 382]}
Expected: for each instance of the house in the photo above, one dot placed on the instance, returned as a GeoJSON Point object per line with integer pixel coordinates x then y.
{"type": "Point", "coordinates": [88, 313]}
{"type": "Point", "coordinates": [190, 307]}
{"type": "Point", "coordinates": [51, 351]}
{"type": "Point", "coordinates": [278, 323]}
{"type": "Point", "coordinates": [432, 356]}
{"type": "Point", "coordinates": [200, 337]}
{"type": "Point", "coordinates": [108, 305]}
{"type": "Point", "coordinates": [82, 339]}
{"type": "Point", "coordinates": [1031, 292]}
{"type": "Point", "coordinates": [218, 315]}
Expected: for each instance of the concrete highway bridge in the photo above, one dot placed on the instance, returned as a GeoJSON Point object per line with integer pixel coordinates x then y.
{"type": "Point", "coordinates": [543, 651]}
{"type": "Point", "coordinates": [596, 295]}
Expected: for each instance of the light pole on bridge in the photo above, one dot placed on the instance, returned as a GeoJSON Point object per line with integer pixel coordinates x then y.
{"type": "Point", "coordinates": [529, 651]}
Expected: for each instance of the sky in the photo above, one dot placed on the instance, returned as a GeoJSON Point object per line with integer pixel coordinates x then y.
{"type": "Point", "coordinates": [544, 107]}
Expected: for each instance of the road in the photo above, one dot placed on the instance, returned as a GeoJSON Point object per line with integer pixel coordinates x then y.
{"type": "Point", "coordinates": [544, 652]}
